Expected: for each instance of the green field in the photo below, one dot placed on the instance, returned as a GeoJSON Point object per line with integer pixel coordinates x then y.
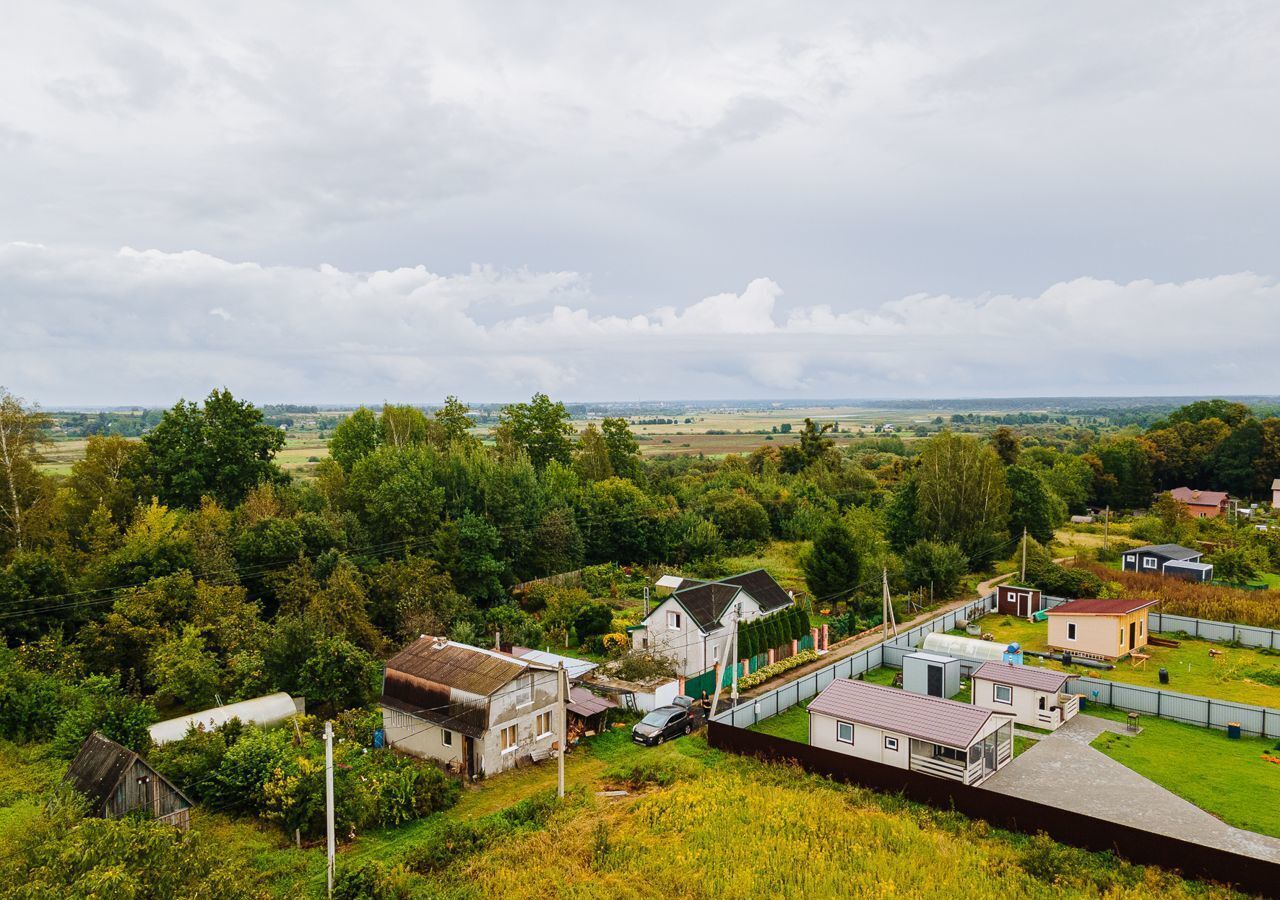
{"type": "Point", "coordinates": [1229, 778]}
{"type": "Point", "coordinates": [1242, 674]}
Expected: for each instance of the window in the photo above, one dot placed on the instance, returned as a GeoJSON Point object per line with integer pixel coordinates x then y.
{"type": "Point", "coordinates": [940, 752]}
{"type": "Point", "coordinates": [1131, 558]}
{"type": "Point", "coordinates": [1003, 693]}
{"type": "Point", "coordinates": [526, 690]}
{"type": "Point", "coordinates": [1071, 631]}
{"type": "Point", "coordinates": [543, 725]}
{"type": "Point", "coordinates": [975, 753]}
{"type": "Point", "coordinates": [1140, 624]}
{"type": "Point", "coordinates": [1148, 562]}
{"type": "Point", "coordinates": [1122, 636]}
{"type": "Point", "coordinates": [507, 738]}
{"type": "Point", "coordinates": [891, 743]}
{"type": "Point", "coordinates": [446, 737]}
{"type": "Point", "coordinates": [673, 620]}
{"type": "Point", "coordinates": [844, 732]}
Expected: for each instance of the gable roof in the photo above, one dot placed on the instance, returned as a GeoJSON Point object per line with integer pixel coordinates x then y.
{"type": "Point", "coordinates": [573, 667]}
{"type": "Point", "coordinates": [1170, 551]}
{"type": "Point", "coordinates": [461, 666]}
{"type": "Point", "coordinates": [762, 588]}
{"type": "Point", "coordinates": [706, 603]}
{"type": "Point", "coordinates": [99, 766]}
{"type": "Point", "coordinates": [1021, 676]}
{"type": "Point", "coordinates": [1100, 607]}
{"type": "Point", "coordinates": [925, 718]}
{"type": "Point", "coordinates": [1193, 497]}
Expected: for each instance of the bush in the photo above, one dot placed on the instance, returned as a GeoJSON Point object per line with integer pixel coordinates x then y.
{"type": "Point", "coordinates": [31, 703]}
{"type": "Point", "coordinates": [102, 706]}
{"type": "Point", "coordinates": [650, 771]}
{"type": "Point", "coordinates": [760, 676]}
{"type": "Point", "coordinates": [636, 666]}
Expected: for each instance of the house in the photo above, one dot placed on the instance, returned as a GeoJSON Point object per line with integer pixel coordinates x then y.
{"type": "Point", "coordinates": [694, 625]}
{"type": "Point", "coordinates": [1018, 600]}
{"type": "Point", "coordinates": [1202, 504]}
{"type": "Point", "coordinates": [1168, 559]}
{"type": "Point", "coordinates": [1099, 629]}
{"type": "Point", "coordinates": [477, 712]}
{"type": "Point", "coordinates": [911, 731]}
{"type": "Point", "coordinates": [1035, 696]}
{"type": "Point", "coordinates": [273, 709]}
{"type": "Point", "coordinates": [1275, 493]}
{"type": "Point", "coordinates": [118, 781]}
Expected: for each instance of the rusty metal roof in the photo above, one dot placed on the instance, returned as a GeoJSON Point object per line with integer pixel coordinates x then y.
{"type": "Point", "coordinates": [1021, 676]}
{"type": "Point", "coordinates": [1100, 607]}
{"type": "Point", "coordinates": [459, 666]}
{"type": "Point", "coordinates": [925, 718]}
{"type": "Point", "coordinates": [584, 703]}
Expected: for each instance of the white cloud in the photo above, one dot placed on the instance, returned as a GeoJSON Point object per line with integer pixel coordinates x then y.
{"type": "Point", "coordinates": [85, 326]}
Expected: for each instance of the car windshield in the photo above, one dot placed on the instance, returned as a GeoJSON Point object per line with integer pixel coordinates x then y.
{"type": "Point", "coordinates": [655, 718]}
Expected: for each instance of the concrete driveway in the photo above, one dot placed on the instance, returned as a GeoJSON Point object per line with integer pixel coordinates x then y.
{"type": "Point", "coordinates": [1064, 771]}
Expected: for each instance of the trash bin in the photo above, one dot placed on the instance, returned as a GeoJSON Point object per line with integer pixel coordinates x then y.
{"type": "Point", "coordinates": [1066, 658]}
{"type": "Point", "coordinates": [1233, 730]}
{"type": "Point", "coordinates": [1164, 675]}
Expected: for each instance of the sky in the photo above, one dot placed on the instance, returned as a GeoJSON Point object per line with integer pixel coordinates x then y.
{"type": "Point", "coordinates": [322, 203]}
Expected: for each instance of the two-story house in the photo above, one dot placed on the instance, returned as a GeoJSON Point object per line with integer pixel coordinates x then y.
{"type": "Point", "coordinates": [478, 712]}
{"type": "Point", "coordinates": [693, 627]}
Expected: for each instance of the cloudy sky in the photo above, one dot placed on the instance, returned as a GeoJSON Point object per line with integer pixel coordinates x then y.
{"type": "Point", "coordinates": [313, 203]}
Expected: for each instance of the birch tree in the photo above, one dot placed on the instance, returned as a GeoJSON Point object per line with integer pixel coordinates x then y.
{"type": "Point", "coordinates": [24, 492]}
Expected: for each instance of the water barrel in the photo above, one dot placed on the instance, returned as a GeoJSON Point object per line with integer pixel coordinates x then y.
{"type": "Point", "coordinates": [1066, 658]}
{"type": "Point", "coordinates": [1233, 730]}
{"type": "Point", "coordinates": [1164, 675]}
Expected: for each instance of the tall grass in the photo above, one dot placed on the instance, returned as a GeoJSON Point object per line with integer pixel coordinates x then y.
{"type": "Point", "coordinates": [1200, 601]}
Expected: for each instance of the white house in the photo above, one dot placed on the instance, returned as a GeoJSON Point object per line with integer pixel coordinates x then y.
{"type": "Point", "coordinates": [911, 731]}
{"type": "Point", "coordinates": [1035, 696]}
{"type": "Point", "coordinates": [694, 625]}
{"type": "Point", "coordinates": [478, 712]}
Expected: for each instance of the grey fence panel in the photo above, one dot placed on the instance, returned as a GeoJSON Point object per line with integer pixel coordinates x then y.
{"type": "Point", "coordinates": [1202, 711]}
{"type": "Point", "coordinates": [1209, 630]}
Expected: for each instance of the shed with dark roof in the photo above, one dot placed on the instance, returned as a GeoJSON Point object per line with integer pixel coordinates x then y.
{"type": "Point", "coordinates": [1167, 559]}
{"type": "Point", "coordinates": [911, 731]}
{"type": "Point", "coordinates": [118, 781]}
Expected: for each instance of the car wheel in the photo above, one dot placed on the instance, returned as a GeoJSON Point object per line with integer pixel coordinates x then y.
{"type": "Point", "coordinates": [661, 738]}
{"type": "Point", "coordinates": [688, 728]}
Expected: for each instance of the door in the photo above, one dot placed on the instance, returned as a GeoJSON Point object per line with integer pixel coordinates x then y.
{"type": "Point", "coordinates": [934, 685]}
{"type": "Point", "coordinates": [1132, 626]}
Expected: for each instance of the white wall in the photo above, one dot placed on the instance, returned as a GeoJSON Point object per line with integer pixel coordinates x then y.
{"type": "Point", "coordinates": [868, 742]}
{"type": "Point", "coordinates": [1025, 704]}
{"type": "Point", "coordinates": [420, 738]}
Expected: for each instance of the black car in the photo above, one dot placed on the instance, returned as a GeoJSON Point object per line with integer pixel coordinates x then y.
{"type": "Point", "coordinates": [663, 723]}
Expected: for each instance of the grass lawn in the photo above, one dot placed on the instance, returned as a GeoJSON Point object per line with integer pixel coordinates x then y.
{"type": "Point", "coordinates": [1231, 779]}
{"type": "Point", "coordinates": [1022, 744]}
{"type": "Point", "coordinates": [1238, 673]}
{"type": "Point", "coordinates": [781, 559]}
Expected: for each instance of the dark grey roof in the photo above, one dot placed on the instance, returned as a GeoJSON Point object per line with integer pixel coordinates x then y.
{"type": "Point", "coordinates": [1169, 551]}
{"type": "Point", "coordinates": [99, 766]}
{"type": "Point", "coordinates": [922, 717]}
{"type": "Point", "coordinates": [762, 588]}
{"type": "Point", "coordinates": [1021, 676]}
{"type": "Point", "coordinates": [707, 602]}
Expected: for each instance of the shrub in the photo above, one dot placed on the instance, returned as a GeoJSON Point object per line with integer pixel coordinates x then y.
{"type": "Point", "coordinates": [650, 771]}
{"type": "Point", "coordinates": [760, 676]}
{"type": "Point", "coordinates": [102, 706]}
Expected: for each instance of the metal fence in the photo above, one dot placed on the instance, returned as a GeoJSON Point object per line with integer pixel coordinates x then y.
{"type": "Point", "coordinates": [1189, 708]}
{"type": "Point", "coordinates": [780, 699]}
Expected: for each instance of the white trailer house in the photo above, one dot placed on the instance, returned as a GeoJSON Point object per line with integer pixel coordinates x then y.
{"type": "Point", "coordinates": [1036, 697]}
{"type": "Point", "coordinates": [911, 731]}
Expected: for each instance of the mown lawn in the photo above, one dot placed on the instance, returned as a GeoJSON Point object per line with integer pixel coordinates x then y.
{"type": "Point", "coordinates": [1230, 778]}
{"type": "Point", "coordinates": [1242, 674]}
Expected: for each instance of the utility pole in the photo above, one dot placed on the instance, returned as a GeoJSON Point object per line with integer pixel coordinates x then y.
{"type": "Point", "coordinates": [887, 617]}
{"type": "Point", "coordinates": [733, 659]}
{"type": "Point", "coordinates": [562, 738]}
{"type": "Point", "coordinates": [328, 801]}
{"type": "Point", "coordinates": [646, 601]}
{"type": "Point", "coordinates": [1023, 577]}
{"type": "Point", "coordinates": [1106, 526]}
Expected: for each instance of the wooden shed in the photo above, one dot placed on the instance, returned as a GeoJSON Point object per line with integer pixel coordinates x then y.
{"type": "Point", "coordinates": [118, 781]}
{"type": "Point", "coordinates": [1017, 600]}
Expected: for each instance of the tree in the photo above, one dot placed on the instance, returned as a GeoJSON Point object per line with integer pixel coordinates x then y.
{"type": "Point", "coordinates": [101, 706]}
{"type": "Point", "coordinates": [221, 449]}
{"type": "Point", "coordinates": [961, 495]}
{"type": "Point", "coordinates": [110, 477]}
{"type": "Point", "coordinates": [540, 428]}
{"type": "Point", "coordinates": [624, 452]}
{"type": "Point", "coordinates": [814, 443]}
{"type": "Point", "coordinates": [354, 438]}
{"type": "Point", "coordinates": [1006, 444]}
{"type": "Point", "coordinates": [739, 518]}
{"type": "Point", "coordinates": [185, 672]}
{"type": "Point", "coordinates": [833, 565]}
{"type": "Point", "coordinates": [394, 494]}
{"type": "Point", "coordinates": [405, 426]}
{"type": "Point", "coordinates": [1227, 411]}
{"type": "Point", "coordinates": [470, 549]}
{"type": "Point", "coordinates": [455, 421]}
{"type": "Point", "coordinates": [1234, 564]}
{"type": "Point", "coordinates": [936, 566]}
{"type": "Point", "coordinates": [1033, 505]}
{"type": "Point", "coordinates": [34, 590]}
{"type": "Point", "coordinates": [25, 494]}
{"type": "Point", "coordinates": [591, 458]}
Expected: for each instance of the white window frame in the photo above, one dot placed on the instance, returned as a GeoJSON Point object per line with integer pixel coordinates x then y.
{"type": "Point", "coordinates": [1149, 562]}
{"type": "Point", "coordinates": [527, 699]}
{"type": "Point", "coordinates": [446, 737]}
{"type": "Point", "coordinates": [1133, 558]}
{"type": "Point", "coordinates": [1071, 631]}
{"type": "Point", "coordinates": [839, 727]}
{"type": "Point", "coordinates": [1007, 699]}
{"type": "Point", "coordinates": [509, 737]}
{"type": "Point", "coordinates": [537, 725]}
{"type": "Point", "coordinates": [891, 743]}
{"type": "Point", "coordinates": [674, 621]}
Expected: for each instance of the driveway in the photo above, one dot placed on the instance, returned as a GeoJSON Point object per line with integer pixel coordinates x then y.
{"type": "Point", "coordinates": [1063, 770]}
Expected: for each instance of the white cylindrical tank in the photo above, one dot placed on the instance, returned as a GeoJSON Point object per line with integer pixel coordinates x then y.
{"type": "Point", "coordinates": [268, 710]}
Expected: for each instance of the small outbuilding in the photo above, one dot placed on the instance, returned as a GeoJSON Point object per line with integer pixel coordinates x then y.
{"type": "Point", "coordinates": [1018, 600]}
{"type": "Point", "coordinates": [971, 652]}
{"type": "Point", "coordinates": [118, 781]}
{"type": "Point", "coordinates": [1168, 559]}
{"type": "Point", "coordinates": [1099, 629]}
{"type": "Point", "coordinates": [939, 737]}
{"type": "Point", "coordinates": [1035, 696]}
{"type": "Point", "coordinates": [273, 709]}
{"type": "Point", "coordinates": [931, 674]}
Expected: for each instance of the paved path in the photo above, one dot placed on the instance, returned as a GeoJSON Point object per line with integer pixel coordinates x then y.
{"type": "Point", "coordinates": [1063, 770]}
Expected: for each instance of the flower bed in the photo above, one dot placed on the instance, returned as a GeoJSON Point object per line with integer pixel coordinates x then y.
{"type": "Point", "coordinates": [760, 676]}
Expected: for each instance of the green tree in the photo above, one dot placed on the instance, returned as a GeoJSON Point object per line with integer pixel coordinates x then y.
{"type": "Point", "coordinates": [34, 595]}
{"type": "Point", "coordinates": [540, 428]}
{"type": "Point", "coordinates": [591, 458]}
{"type": "Point", "coordinates": [221, 449]}
{"type": "Point", "coordinates": [404, 426]}
{"type": "Point", "coordinates": [455, 422]}
{"type": "Point", "coordinates": [1033, 504]}
{"type": "Point", "coordinates": [470, 550]}
{"type": "Point", "coordinates": [26, 496]}
{"type": "Point", "coordinates": [1006, 444]}
{"type": "Point", "coordinates": [101, 706]}
{"type": "Point", "coordinates": [814, 443]}
{"type": "Point", "coordinates": [937, 566]}
{"type": "Point", "coordinates": [961, 495]}
{"type": "Point", "coordinates": [110, 477]}
{"type": "Point", "coordinates": [185, 672]}
{"type": "Point", "coordinates": [624, 451]}
{"type": "Point", "coordinates": [354, 438]}
{"type": "Point", "coordinates": [394, 494]}
{"type": "Point", "coordinates": [833, 565]}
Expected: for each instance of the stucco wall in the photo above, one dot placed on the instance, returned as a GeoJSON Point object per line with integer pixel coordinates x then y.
{"type": "Point", "coordinates": [868, 742]}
